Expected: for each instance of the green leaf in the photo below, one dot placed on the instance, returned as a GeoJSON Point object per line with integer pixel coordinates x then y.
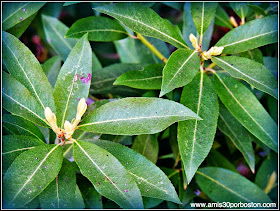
{"type": "Point", "coordinates": [245, 107]}
{"type": "Point", "coordinates": [73, 81]}
{"type": "Point", "coordinates": [272, 64]}
{"type": "Point", "coordinates": [238, 135]}
{"type": "Point", "coordinates": [222, 18]}
{"type": "Point", "coordinates": [255, 55]}
{"type": "Point", "coordinates": [51, 68]}
{"type": "Point", "coordinates": [241, 9]}
{"type": "Point", "coordinates": [16, 12]}
{"type": "Point", "coordinates": [146, 145]}
{"type": "Point", "coordinates": [70, 3]}
{"type": "Point", "coordinates": [19, 101]}
{"type": "Point", "coordinates": [55, 31]}
{"type": "Point", "coordinates": [19, 126]}
{"type": "Point", "coordinates": [79, 201]}
{"type": "Point", "coordinates": [147, 22]}
{"type": "Point", "coordinates": [203, 14]}
{"type": "Point", "coordinates": [253, 72]}
{"type": "Point", "coordinates": [224, 185]}
{"type": "Point", "coordinates": [19, 28]}
{"type": "Point", "coordinates": [151, 202]}
{"type": "Point", "coordinates": [151, 181]}
{"type": "Point", "coordinates": [60, 194]}
{"type": "Point", "coordinates": [251, 35]}
{"type": "Point", "coordinates": [215, 158]}
{"type": "Point", "coordinates": [195, 138]}
{"type": "Point", "coordinates": [98, 28]}
{"type": "Point", "coordinates": [30, 173]}
{"type": "Point", "coordinates": [135, 116]}
{"type": "Point", "coordinates": [103, 79]}
{"type": "Point", "coordinates": [92, 198]}
{"type": "Point", "coordinates": [14, 145]}
{"type": "Point", "coordinates": [180, 69]}
{"type": "Point", "coordinates": [148, 78]}
{"type": "Point", "coordinates": [107, 174]}
{"type": "Point", "coordinates": [24, 66]}
{"type": "Point", "coordinates": [258, 10]}
{"type": "Point", "coordinates": [126, 50]}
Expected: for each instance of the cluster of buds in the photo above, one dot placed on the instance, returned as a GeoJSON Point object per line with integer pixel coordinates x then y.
{"type": "Point", "coordinates": [214, 51]}
{"type": "Point", "coordinates": [69, 128]}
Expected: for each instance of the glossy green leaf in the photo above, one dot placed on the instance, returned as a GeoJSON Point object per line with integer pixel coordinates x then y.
{"type": "Point", "coordinates": [143, 20]}
{"type": "Point", "coordinates": [20, 126]}
{"type": "Point", "coordinates": [272, 105]}
{"type": "Point", "coordinates": [148, 78]}
{"type": "Point", "coordinates": [223, 185]}
{"type": "Point", "coordinates": [146, 145]}
{"type": "Point", "coordinates": [16, 12]}
{"type": "Point", "coordinates": [98, 28]}
{"type": "Point", "coordinates": [99, 166]}
{"type": "Point", "coordinates": [245, 107]}
{"type": "Point", "coordinates": [255, 55]}
{"type": "Point", "coordinates": [195, 138]}
{"type": "Point", "coordinates": [19, 101]}
{"type": "Point", "coordinates": [222, 18]}
{"type": "Point", "coordinates": [102, 80]}
{"type": "Point", "coordinates": [239, 136]}
{"type": "Point", "coordinates": [215, 158]}
{"type": "Point", "coordinates": [202, 14]}
{"type": "Point", "coordinates": [24, 66]}
{"type": "Point", "coordinates": [30, 173]}
{"type": "Point", "coordinates": [92, 199]}
{"type": "Point", "coordinates": [253, 72]}
{"type": "Point", "coordinates": [60, 193]}
{"type": "Point", "coordinates": [14, 145]}
{"type": "Point", "coordinates": [55, 31]}
{"type": "Point", "coordinates": [19, 28]}
{"type": "Point", "coordinates": [251, 35]}
{"type": "Point", "coordinates": [126, 50]}
{"type": "Point", "coordinates": [258, 10]}
{"type": "Point", "coordinates": [153, 183]}
{"type": "Point", "coordinates": [79, 201]}
{"type": "Point", "coordinates": [73, 81]}
{"type": "Point", "coordinates": [151, 202]}
{"type": "Point", "coordinates": [240, 8]}
{"type": "Point", "coordinates": [51, 68]}
{"type": "Point", "coordinates": [135, 116]}
{"type": "Point", "coordinates": [70, 3]}
{"type": "Point", "coordinates": [180, 69]}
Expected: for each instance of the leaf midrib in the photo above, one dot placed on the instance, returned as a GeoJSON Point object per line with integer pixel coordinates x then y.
{"type": "Point", "coordinates": [98, 30]}
{"type": "Point", "coordinates": [20, 149]}
{"type": "Point", "coordinates": [166, 35]}
{"type": "Point", "coordinates": [222, 185]}
{"type": "Point", "coordinates": [244, 108]}
{"type": "Point", "coordinates": [142, 79]}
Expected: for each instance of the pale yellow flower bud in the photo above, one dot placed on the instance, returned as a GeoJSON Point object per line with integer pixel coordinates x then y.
{"type": "Point", "coordinates": [81, 109]}
{"type": "Point", "coordinates": [216, 51]}
{"type": "Point", "coordinates": [193, 40]}
{"type": "Point", "coordinates": [206, 55]}
{"type": "Point", "coordinates": [69, 129]}
{"type": "Point", "coordinates": [50, 116]}
{"type": "Point", "coordinates": [233, 21]}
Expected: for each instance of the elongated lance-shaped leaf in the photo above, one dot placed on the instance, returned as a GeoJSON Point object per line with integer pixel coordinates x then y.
{"type": "Point", "coordinates": [24, 66]}
{"type": "Point", "coordinates": [79, 201]}
{"type": "Point", "coordinates": [98, 28]}
{"type": "Point", "coordinates": [149, 78]}
{"type": "Point", "coordinates": [222, 18]}
{"type": "Point", "coordinates": [255, 55]}
{"type": "Point", "coordinates": [180, 69]}
{"type": "Point", "coordinates": [20, 126]}
{"type": "Point", "coordinates": [224, 185]}
{"type": "Point", "coordinates": [51, 68]}
{"type": "Point", "coordinates": [251, 35]}
{"type": "Point", "coordinates": [203, 14]}
{"type": "Point", "coordinates": [195, 138]}
{"type": "Point", "coordinates": [16, 12]}
{"type": "Point", "coordinates": [14, 145]}
{"type": "Point", "coordinates": [60, 193]}
{"type": "Point", "coordinates": [99, 166]}
{"type": "Point", "coordinates": [73, 81]}
{"type": "Point", "coordinates": [135, 116]}
{"type": "Point", "coordinates": [153, 183]}
{"type": "Point", "coordinates": [146, 145]}
{"type": "Point", "coordinates": [246, 108]}
{"type": "Point", "coordinates": [55, 31]}
{"type": "Point", "coordinates": [253, 72]}
{"type": "Point", "coordinates": [144, 20]}
{"type": "Point", "coordinates": [19, 101]}
{"type": "Point", "coordinates": [239, 136]}
{"type": "Point", "coordinates": [30, 173]}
